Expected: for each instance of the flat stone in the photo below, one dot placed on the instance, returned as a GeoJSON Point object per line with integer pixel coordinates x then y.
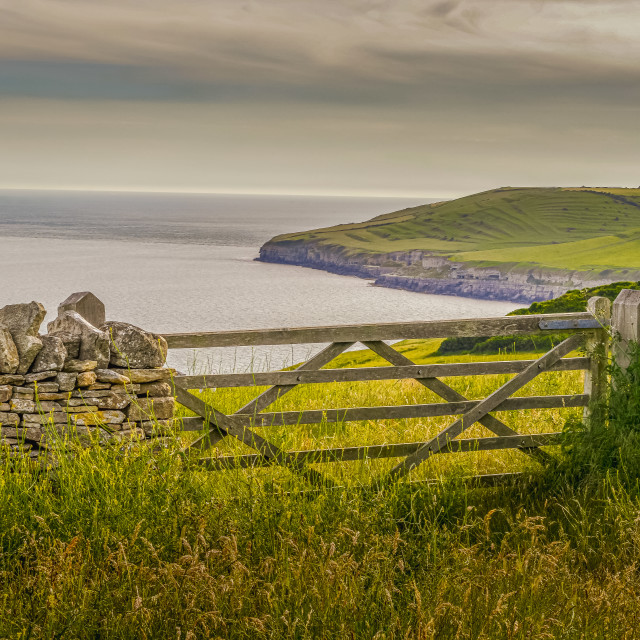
{"type": "Point", "coordinates": [9, 358]}
{"type": "Point", "coordinates": [39, 377]}
{"type": "Point", "coordinates": [130, 389]}
{"type": "Point", "coordinates": [157, 427]}
{"type": "Point", "coordinates": [113, 401]}
{"type": "Point", "coordinates": [88, 393]}
{"type": "Point", "coordinates": [94, 344]}
{"type": "Point", "coordinates": [99, 386]}
{"type": "Point", "coordinates": [49, 405]}
{"type": "Point", "coordinates": [22, 405]}
{"type": "Point", "coordinates": [134, 347]}
{"type": "Point", "coordinates": [4, 406]}
{"type": "Point", "coordinates": [100, 417]}
{"type": "Point", "coordinates": [12, 379]}
{"type": "Point", "coordinates": [156, 389]}
{"type": "Point", "coordinates": [144, 409]}
{"type": "Point", "coordinates": [28, 348]}
{"type": "Point", "coordinates": [32, 433]}
{"type": "Point", "coordinates": [146, 375]}
{"type": "Point", "coordinates": [83, 409]}
{"type": "Point", "coordinates": [111, 376]}
{"type": "Point", "coordinates": [86, 378]}
{"type": "Point", "coordinates": [5, 393]}
{"type": "Point", "coordinates": [24, 392]}
{"type": "Point", "coordinates": [45, 387]}
{"type": "Point", "coordinates": [79, 366]}
{"type": "Point", "coordinates": [54, 417]}
{"type": "Point", "coordinates": [51, 356]}
{"type": "Point", "coordinates": [78, 402]}
{"type": "Point", "coordinates": [66, 381]}
{"type": "Point", "coordinates": [8, 419]}
{"type": "Point", "coordinates": [52, 396]}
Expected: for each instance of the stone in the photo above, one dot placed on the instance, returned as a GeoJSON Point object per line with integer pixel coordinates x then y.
{"type": "Point", "coordinates": [134, 347]}
{"type": "Point", "coordinates": [94, 344]}
{"type": "Point", "coordinates": [9, 358]}
{"type": "Point", "coordinates": [71, 343]}
{"type": "Point", "coordinates": [54, 417]}
{"type": "Point", "coordinates": [157, 427]}
{"type": "Point", "coordinates": [100, 417]}
{"type": "Point", "coordinates": [23, 322]}
{"type": "Point", "coordinates": [23, 433]}
{"type": "Point", "coordinates": [80, 402]}
{"type": "Point", "coordinates": [113, 401]}
{"type": "Point", "coordinates": [146, 375]}
{"type": "Point", "coordinates": [5, 393]}
{"type": "Point", "coordinates": [156, 389]}
{"type": "Point", "coordinates": [48, 405]}
{"type": "Point", "coordinates": [12, 379]}
{"type": "Point", "coordinates": [85, 304]}
{"type": "Point", "coordinates": [53, 396]}
{"type": "Point", "coordinates": [87, 393]}
{"type": "Point", "coordinates": [111, 376]}
{"type": "Point", "coordinates": [66, 381]}
{"type": "Point", "coordinates": [99, 386]}
{"type": "Point", "coordinates": [4, 406]}
{"type": "Point", "coordinates": [24, 392]}
{"type": "Point", "coordinates": [130, 389]}
{"type": "Point", "coordinates": [44, 387]}
{"type": "Point", "coordinates": [22, 405]}
{"type": "Point", "coordinates": [51, 356]}
{"type": "Point", "coordinates": [151, 408]}
{"type": "Point", "coordinates": [8, 419]}
{"type": "Point", "coordinates": [38, 377]}
{"type": "Point", "coordinates": [86, 378]}
{"type": "Point", "coordinates": [79, 366]}
{"type": "Point", "coordinates": [28, 348]}
{"type": "Point", "coordinates": [83, 409]}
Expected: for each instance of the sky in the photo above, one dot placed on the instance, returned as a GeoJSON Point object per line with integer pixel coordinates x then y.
{"type": "Point", "coordinates": [353, 97]}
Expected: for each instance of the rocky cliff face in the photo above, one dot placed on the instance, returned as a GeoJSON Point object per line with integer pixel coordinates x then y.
{"type": "Point", "coordinates": [427, 273]}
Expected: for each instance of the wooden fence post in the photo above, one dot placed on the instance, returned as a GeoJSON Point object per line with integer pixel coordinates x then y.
{"type": "Point", "coordinates": [595, 378]}
{"type": "Point", "coordinates": [625, 325]}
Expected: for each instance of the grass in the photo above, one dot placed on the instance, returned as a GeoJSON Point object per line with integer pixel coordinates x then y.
{"type": "Point", "coordinates": [519, 228]}
{"type": "Point", "coordinates": [136, 544]}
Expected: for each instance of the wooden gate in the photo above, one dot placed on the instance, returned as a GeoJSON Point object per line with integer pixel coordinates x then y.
{"type": "Point", "coordinates": [585, 330]}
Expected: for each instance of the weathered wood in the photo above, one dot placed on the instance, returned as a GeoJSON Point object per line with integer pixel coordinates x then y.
{"type": "Point", "coordinates": [397, 412]}
{"type": "Point", "coordinates": [225, 425]}
{"type": "Point", "coordinates": [448, 393]}
{"type": "Point", "coordinates": [369, 373]}
{"type": "Point", "coordinates": [625, 325]}
{"type": "Point", "coordinates": [375, 452]}
{"type": "Point", "coordinates": [486, 405]}
{"type": "Point", "coordinates": [476, 327]}
{"type": "Point", "coordinates": [597, 347]}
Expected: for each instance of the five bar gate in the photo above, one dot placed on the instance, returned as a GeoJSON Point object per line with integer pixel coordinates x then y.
{"type": "Point", "coordinates": [586, 330]}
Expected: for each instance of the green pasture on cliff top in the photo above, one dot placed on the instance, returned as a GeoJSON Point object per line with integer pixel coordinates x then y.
{"type": "Point", "coordinates": [578, 228]}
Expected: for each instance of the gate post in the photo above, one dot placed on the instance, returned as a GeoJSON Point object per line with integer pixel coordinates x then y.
{"type": "Point", "coordinates": [625, 325]}
{"type": "Point", "coordinates": [595, 377]}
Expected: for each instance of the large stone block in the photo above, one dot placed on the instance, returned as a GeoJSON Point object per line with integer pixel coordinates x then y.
{"type": "Point", "coordinates": [94, 344]}
{"type": "Point", "coordinates": [51, 356]}
{"type": "Point", "coordinates": [5, 393]}
{"type": "Point", "coordinates": [9, 358]}
{"type": "Point", "coordinates": [146, 375]}
{"type": "Point", "coordinates": [23, 322]}
{"type": "Point", "coordinates": [134, 347]}
{"type": "Point", "coordinates": [144, 409]}
{"type": "Point", "coordinates": [8, 419]}
{"type": "Point", "coordinates": [87, 305]}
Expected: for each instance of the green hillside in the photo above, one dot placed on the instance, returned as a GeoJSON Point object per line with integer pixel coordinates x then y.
{"type": "Point", "coordinates": [579, 228]}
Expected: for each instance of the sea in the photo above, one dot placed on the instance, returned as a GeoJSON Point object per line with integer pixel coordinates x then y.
{"type": "Point", "coordinates": [175, 262]}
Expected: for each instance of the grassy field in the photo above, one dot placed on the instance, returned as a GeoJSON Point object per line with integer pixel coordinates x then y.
{"type": "Point", "coordinates": [135, 544]}
{"type": "Point", "coordinates": [521, 227]}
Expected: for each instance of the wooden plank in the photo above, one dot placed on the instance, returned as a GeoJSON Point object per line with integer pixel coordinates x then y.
{"type": "Point", "coordinates": [375, 452]}
{"type": "Point", "coordinates": [451, 395]}
{"type": "Point", "coordinates": [476, 327]}
{"type": "Point", "coordinates": [267, 450]}
{"type": "Point", "coordinates": [363, 374]}
{"type": "Point", "coordinates": [271, 395]}
{"type": "Point", "coordinates": [398, 412]}
{"type": "Point", "coordinates": [488, 404]}
{"type": "Point", "coordinates": [597, 347]}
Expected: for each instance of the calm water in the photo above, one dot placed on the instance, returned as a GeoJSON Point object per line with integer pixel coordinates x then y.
{"type": "Point", "coordinates": [176, 262]}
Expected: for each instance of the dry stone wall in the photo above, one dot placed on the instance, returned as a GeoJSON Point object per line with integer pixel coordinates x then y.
{"type": "Point", "coordinates": [108, 381]}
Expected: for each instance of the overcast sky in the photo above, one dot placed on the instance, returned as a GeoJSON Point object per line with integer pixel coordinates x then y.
{"type": "Point", "coordinates": [399, 97]}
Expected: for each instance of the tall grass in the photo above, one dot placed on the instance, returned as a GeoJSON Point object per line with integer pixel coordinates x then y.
{"type": "Point", "coordinates": [131, 543]}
